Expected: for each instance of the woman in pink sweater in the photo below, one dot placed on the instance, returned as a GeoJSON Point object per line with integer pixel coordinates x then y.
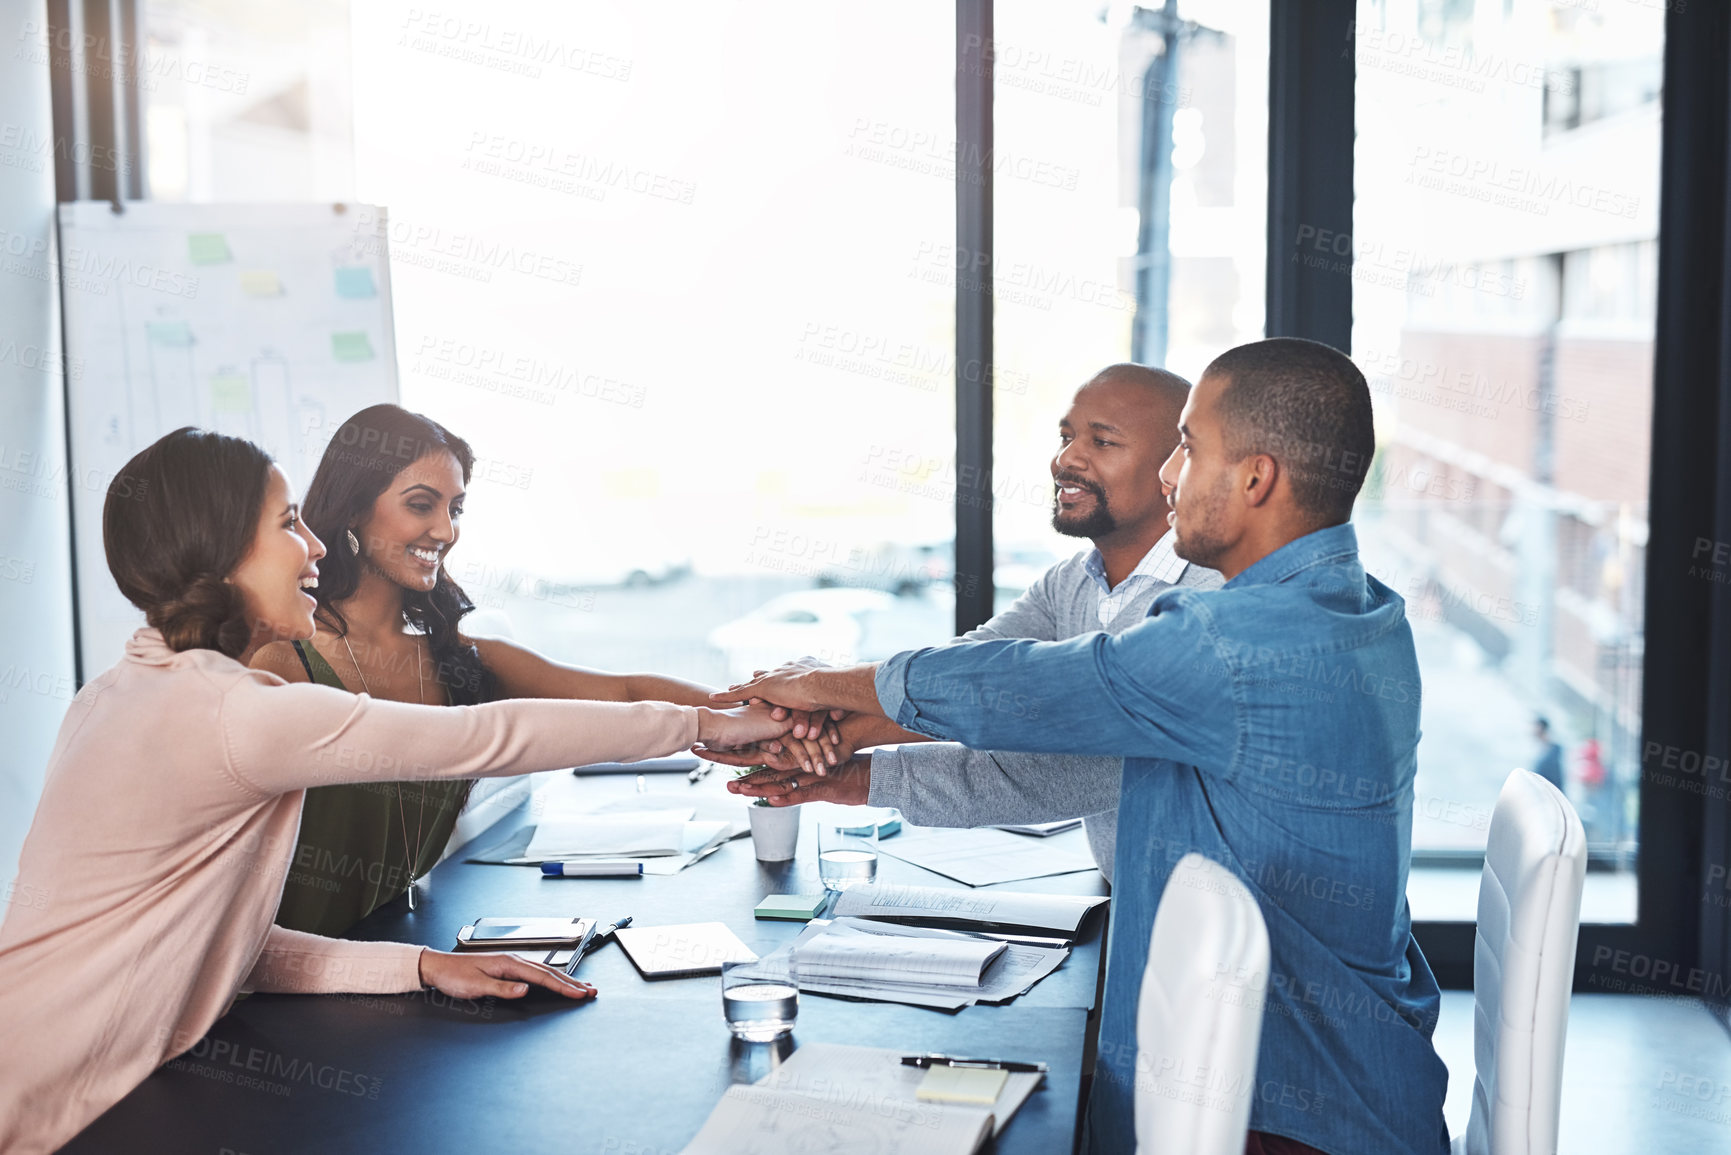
{"type": "Point", "coordinates": [169, 812]}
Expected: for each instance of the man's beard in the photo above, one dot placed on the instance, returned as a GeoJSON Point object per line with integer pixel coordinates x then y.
{"type": "Point", "coordinates": [1196, 543]}
{"type": "Point", "coordinates": [1097, 523]}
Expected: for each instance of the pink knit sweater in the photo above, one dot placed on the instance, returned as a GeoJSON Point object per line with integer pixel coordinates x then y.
{"type": "Point", "coordinates": [154, 863]}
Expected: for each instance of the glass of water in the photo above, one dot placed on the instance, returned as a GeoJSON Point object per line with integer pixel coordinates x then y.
{"type": "Point", "coordinates": [760, 1002]}
{"type": "Point", "coordinates": [847, 846]}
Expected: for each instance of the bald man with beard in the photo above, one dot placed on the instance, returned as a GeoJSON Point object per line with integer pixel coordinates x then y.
{"type": "Point", "coordinates": [1120, 427]}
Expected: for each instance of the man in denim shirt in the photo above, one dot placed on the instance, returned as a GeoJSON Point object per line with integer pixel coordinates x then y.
{"type": "Point", "coordinates": [1271, 725]}
{"type": "Point", "coordinates": [1120, 428]}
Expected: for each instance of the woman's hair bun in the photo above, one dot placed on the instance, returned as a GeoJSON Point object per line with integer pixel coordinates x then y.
{"type": "Point", "coordinates": [208, 614]}
{"type": "Point", "coordinates": [178, 519]}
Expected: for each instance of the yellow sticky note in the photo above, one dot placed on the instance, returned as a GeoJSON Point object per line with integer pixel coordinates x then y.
{"type": "Point", "coordinates": [207, 248]}
{"type": "Point", "coordinates": [351, 347]}
{"type": "Point", "coordinates": [230, 393]}
{"type": "Point", "coordinates": [260, 283]}
{"type": "Point", "coordinates": [978, 1085]}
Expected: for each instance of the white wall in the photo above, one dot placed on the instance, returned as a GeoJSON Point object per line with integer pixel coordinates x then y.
{"type": "Point", "coordinates": [36, 664]}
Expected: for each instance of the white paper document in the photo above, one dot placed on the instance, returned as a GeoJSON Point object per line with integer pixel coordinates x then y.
{"type": "Point", "coordinates": [832, 1098]}
{"type": "Point", "coordinates": [1041, 829]}
{"type": "Point", "coordinates": [765, 1121]}
{"type": "Point", "coordinates": [705, 806]}
{"type": "Point", "coordinates": [984, 909]}
{"type": "Point", "coordinates": [646, 835]}
{"type": "Point", "coordinates": [984, 856]}
{"type": "Point", "coordinates": [846, 953]}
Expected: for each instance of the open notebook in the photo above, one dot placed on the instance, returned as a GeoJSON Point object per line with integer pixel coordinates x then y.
{"type": "Point", "coordinates": [828, 1097]}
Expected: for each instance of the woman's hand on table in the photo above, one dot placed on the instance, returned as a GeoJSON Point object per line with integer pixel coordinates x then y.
{"type": "Point", "coordinates": [504, 976]}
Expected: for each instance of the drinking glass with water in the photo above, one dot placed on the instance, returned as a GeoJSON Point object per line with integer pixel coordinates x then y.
{"type": "Point", "coordinates": [760, 1003]}
{"type": "Point", "coordinates": [847, 846]}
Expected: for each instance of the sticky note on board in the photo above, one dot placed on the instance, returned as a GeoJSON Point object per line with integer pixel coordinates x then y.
{"type": "Point", "coordinates": [174, 334]}
{"type": "Point", "coordinates": [230, 393]}
{"type": "Point", "coordinates": [977, 1085]}
{"type": "Point", "coordinates": [260, 283]}
{"type": "Point", "coordinates": [351, 347]}
{"type": "Point", "coordinates": [207, 248]}
{"type": "Point", "coordinates": [355, 283]}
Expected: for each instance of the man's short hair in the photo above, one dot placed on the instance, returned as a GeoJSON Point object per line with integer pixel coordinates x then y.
{"type": "Point", "coordinates": [1308, 407]}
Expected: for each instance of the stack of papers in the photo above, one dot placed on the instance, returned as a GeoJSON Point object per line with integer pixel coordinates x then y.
{"type": "Point", "coordinates": [861, 959]}
{"type": "Point", "coordinates": [834, 1098]}
{"type": "Point", "coordinates": [996, 910]}
{"type": "Point", "coordinates": [846, 953]}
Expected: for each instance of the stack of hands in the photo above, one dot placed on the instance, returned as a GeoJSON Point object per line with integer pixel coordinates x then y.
{"type": "Point", "coordinates": [813, 760]}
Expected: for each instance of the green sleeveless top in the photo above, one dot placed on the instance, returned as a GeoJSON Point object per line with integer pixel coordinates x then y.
{"type": "Point", "coordinates": [351, 858]}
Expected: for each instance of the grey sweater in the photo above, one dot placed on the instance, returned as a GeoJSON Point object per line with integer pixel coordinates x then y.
{"type": "Point", "coordinates": [945, 784]}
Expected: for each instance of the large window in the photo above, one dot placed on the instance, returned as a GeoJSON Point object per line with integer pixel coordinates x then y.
{"type": "Point", "coordinates": [246, 101]}
{"type": "Point", "coordinates": [1504, 267]}
{"type": "Point", "coordinates": [670, 271]}
{"type": "Point", "coordinates": [1129, 211]}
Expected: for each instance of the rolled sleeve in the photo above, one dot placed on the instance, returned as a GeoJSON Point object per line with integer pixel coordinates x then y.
{"type": "Point", "coordinates": [891, 685]}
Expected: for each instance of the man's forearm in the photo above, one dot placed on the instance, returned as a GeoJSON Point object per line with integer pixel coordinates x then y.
{"type": "Point", "coordinates": [863, 730]}
{"type": "Point", "coordinates": [850, 688]}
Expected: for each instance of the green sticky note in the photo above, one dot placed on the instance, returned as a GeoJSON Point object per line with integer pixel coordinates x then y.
{"type": "Point", "coordinates": [207, 248]}
{"type": "Point", "coordinates": [174, 334]}
{"type": "Point", "coordinates": [793, 907]}
{"type": "Point", "coordinates": [230, 393]}
{"type": "Point", "coordinates": [351, 347]}
{"type": "Point", "coordinates": [355, 283]}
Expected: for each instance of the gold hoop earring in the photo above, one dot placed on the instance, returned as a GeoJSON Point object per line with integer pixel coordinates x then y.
{"type": "Point", "coordinates": [354, 542]}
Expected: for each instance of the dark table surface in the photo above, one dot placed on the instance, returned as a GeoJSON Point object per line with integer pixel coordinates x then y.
{"type": "Point", "coordinates": [634, 1072]}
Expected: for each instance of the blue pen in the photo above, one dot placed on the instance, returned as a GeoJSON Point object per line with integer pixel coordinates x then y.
{"type": "Point", "coordinates": [594, 868]}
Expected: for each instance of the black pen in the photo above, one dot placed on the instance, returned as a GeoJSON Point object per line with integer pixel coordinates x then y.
{"type": "Point", "coordinates": [590, 940]}
{"type": "Point", "coordinates": [980, 1064]}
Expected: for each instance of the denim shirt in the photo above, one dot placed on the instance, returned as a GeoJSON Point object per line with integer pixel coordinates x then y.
{"type": "Point", "coordinates": [1272, 726]}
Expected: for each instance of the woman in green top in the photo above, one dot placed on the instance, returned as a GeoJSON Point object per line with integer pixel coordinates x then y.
{"type": "Point", "coordinates": [388, 496]}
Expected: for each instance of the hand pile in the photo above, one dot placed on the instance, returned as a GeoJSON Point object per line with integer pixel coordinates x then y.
{"type": "Point", "coordinates": [812, 760]}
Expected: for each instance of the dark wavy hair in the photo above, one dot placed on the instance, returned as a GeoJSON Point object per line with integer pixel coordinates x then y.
{"type": "Point", "coordinates": [176, 521]}
{"type": "Point", "coordinates": [364, 457]}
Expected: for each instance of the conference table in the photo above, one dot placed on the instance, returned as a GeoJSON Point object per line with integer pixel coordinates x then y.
{"type": "Point", "coordinates": [634, 1071]}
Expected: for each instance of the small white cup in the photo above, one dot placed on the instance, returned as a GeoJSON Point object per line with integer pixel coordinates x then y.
{"type": "Point", "coordinates": [774, 832]}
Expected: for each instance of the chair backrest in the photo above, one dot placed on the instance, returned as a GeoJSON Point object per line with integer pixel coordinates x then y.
{"type": "Point", "coordinates": [1199, 1021]}
{"type": "Point", "coordinates": [1523, 967]}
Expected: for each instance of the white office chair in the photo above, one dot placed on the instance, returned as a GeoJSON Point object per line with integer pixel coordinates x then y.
{"type": "Point", "coordinates": [1523, 966]}
{"type": "Point", "coordinates": [1200, 1009]}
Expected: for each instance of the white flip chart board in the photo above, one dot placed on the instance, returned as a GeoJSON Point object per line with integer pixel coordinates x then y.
{"type": "Point", "coordinates": [269, 322]}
